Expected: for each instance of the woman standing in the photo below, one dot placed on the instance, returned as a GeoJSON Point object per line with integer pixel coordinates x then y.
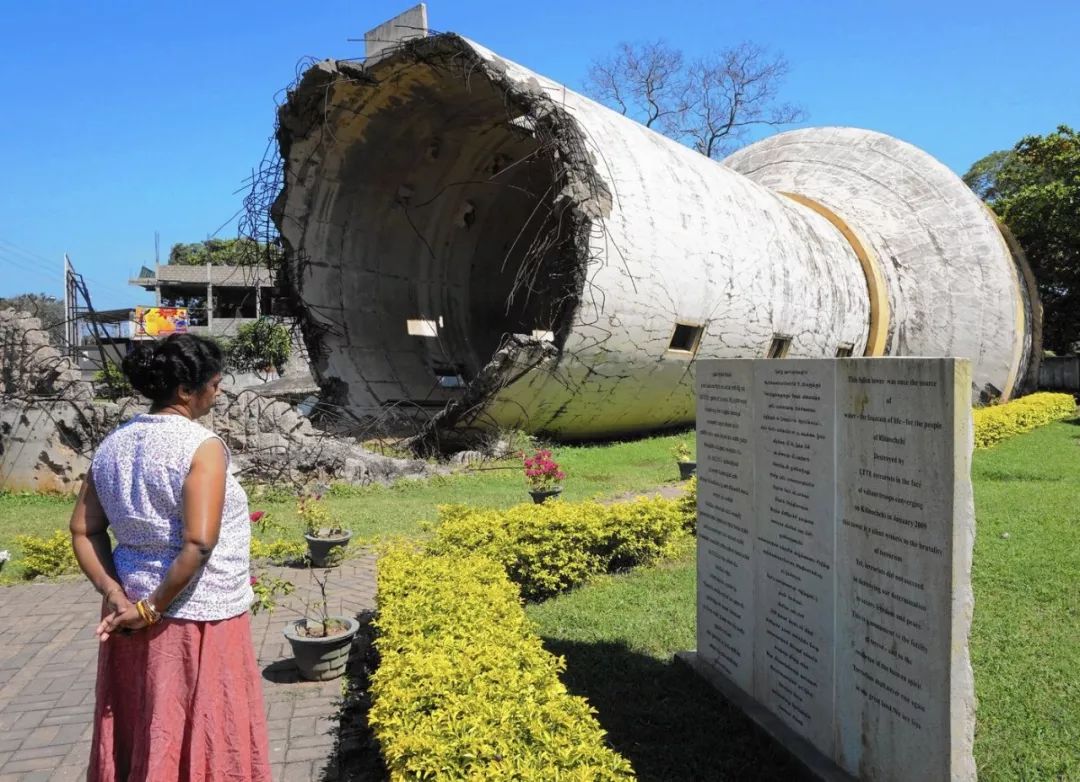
{"type": "Point", "coordinates": [179, 696]}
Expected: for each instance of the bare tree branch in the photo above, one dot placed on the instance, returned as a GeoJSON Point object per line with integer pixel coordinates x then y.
{"type": "Point", "coordinates": [709, 104]}
{"type": "Point", "coordinates": [642, 81]}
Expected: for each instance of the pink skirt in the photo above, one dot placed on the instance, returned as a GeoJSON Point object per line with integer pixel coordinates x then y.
{"type": "Point", "coordinates": [179, 702]}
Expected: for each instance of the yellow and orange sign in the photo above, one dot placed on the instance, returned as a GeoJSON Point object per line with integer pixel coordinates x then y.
{"type": "Point", "coordinates": [160, 321]}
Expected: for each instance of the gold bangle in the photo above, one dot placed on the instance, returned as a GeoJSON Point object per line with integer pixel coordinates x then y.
{"type": "Point", "coordinates": [146, 610]}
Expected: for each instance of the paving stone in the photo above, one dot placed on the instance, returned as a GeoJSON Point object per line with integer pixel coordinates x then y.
{"type": "Point", "coordinates": [68, 774]}
{"type": "Point", "coordinates": [43, 775]}
{"type": "Point", "coordinates": [69, 734]}
{"type": "Point", "coordinates": [280, 710]}
{"type": "Point", "coordinates": [36, 764]}
{"type": "Point", "coordinates": [78, 755]}
{"type": "Point", "coordinates": [30, 702]}
{"type": "Point", "coordinates": [11, 743]}
{"type": "Point", "coordinates": [41, 737]}
{"type": "Point", "coordinates": [48, 751]}
{"type": "Point", "coordinates": [48, 670]}
{"type": "Point", "coordinates": [307, 753]}
{"type": "Point", "coordinates": [302, 726]}
{"type": "Point", "coordinates": [308, 742]}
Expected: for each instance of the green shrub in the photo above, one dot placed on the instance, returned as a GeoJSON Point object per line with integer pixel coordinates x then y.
{"type": "Point", "coordinates": [1000, 422]}
{"type": "Point", "coordinates": [549, 548]}
{"type": "Point", "coordinates": [465, 689]}
{"type": "Point", "coordinates": [278, 551]}
{"type": "Point", "coordinates": [110, 382]}
{"type": "Point", "coordinates": [52, 556]}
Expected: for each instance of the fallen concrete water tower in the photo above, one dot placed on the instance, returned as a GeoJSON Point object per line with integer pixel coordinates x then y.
{"type": "Point", "coordinates": [476, 246]}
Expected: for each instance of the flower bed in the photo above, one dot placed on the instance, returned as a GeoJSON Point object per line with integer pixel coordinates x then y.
{"type": "Point", "coordinates": [1000, 422]}
{"type": "Point", "coordinates": [465, 689]}
{"type": "Point", "coordinates": [547, 549]}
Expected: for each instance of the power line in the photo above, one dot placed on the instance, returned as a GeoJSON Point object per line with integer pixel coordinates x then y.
{"type": "Point", "coordinates": [27, 268]}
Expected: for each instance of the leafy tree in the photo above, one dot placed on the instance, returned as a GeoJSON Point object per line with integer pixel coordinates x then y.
{"type": "Point", "coordinates": [259, 345]}
{"type": "Point", "coordinates": [983, 175]}
{"type": "Point", "coordinates": [1035, 189]}
{"type": "Point", "coordinates": [709, 103]}
{"type": "Point", "coordinates": [48, 308]}
{"type": "Point", "coordinates": [225, 252]}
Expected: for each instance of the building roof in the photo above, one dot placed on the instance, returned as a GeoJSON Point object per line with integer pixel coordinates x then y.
{"type": "Point", "coordinates": [222, 276]}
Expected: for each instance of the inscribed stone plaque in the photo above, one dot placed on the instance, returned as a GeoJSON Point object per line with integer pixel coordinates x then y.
{"type": "Point", "coordinates": [794, 508]}
{"type": "Point", "coordinates": [834, 553]}
{"type": "Point", "coordinates": [904, 539]}
{"type": "Point", "coordinates": [725, 543]}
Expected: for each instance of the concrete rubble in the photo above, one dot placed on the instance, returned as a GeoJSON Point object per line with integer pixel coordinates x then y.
{"type": "Point", "coordinates": [50, 423]}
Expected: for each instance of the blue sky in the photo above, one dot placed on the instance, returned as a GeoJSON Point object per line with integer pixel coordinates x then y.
{"type": "Point", "coordinates": [122, 118]}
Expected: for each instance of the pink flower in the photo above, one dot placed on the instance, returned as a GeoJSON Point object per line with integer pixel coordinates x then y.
{"type": "Point", "coordinates": [254, 580]}
{"type": "Point", "coordinates": [257, 516]}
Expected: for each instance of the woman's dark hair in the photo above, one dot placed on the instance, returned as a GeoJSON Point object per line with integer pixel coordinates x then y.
{"type": "Point", "coordinates": [157, 369]}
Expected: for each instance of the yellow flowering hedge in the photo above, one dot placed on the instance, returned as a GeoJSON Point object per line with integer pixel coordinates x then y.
{"type": "Point", "coordinates": [1000, 422]}
{"type": "Point", "coordinates": [52, 556]}
{"type": "Point", "coordinates": [546, 549]}
{"type": "Point", "coordinates": [464, 688]}
{"type": "Point", "coordinates": [278, 551]}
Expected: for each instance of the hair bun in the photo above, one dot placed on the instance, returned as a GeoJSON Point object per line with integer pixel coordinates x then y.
{"type": "Point", "coordinates": [157, 369]}
{"type": "Point", "coordinates": [140, 370]}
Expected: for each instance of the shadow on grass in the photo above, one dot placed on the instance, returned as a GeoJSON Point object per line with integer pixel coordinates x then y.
{"type": "Point", "coordinates": [666, 721]}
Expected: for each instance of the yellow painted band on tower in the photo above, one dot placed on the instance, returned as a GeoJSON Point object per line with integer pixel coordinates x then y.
{"type": "Point", "coordinates": [1025, 279]}
{"type": "Point", "coordinates": [878, 336]}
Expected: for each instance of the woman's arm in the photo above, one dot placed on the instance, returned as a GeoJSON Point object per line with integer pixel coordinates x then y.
{"type": "Point", "coordinates": [90, 539]}
{"type": "Point", "coordinates": [203, 502]}
{"type": "Point", "coordinates": [93, 551]}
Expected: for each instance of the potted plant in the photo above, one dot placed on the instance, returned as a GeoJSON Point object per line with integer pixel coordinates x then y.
{"type": "Point", "coordinates": [322, 533]}
{"type": "Point", "coordinates": [543, 475]}
{"type": "Point", "coordinates": [683, 454]}
{"type": "Point", "coordinates": [321, 642]}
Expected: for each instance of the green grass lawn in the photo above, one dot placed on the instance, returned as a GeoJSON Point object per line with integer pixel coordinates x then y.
{"type": "Point", "coordinates": [402, 509]}
{"type": "Point", "coordinates": [619, 634]}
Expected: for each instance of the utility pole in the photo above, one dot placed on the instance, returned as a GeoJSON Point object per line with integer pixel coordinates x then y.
{"type": "Point", "coordinates": [71, 320]}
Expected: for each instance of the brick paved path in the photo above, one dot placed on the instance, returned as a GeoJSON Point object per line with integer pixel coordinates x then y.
{"type": "Point", "coordinates": [48, 661]}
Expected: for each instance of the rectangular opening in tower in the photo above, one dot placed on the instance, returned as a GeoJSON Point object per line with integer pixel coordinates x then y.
{"type": "Point", "coordinates": [686, 338]}
{"type": "Point", "coordinates": [779, 347]}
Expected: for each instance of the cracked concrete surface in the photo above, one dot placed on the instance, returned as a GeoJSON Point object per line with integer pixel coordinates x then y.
{"type": "Point", "coordinates": [552, 246]}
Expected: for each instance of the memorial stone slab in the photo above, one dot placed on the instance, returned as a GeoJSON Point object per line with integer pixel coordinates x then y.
{"type": "Point", "coordinates": [835, 531]}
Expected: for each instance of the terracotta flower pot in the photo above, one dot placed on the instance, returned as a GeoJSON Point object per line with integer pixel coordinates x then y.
{"type": "Point", "coordinates": [539, 496]}
{"type": "Point", "coordinates": [319, 549]}
{"type": "Point", "coordinates": [322, 659]}
{"type": "Point", "coordinates": [687, 470]}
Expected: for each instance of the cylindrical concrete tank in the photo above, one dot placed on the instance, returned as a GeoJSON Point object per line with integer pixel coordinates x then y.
{"type": "Point", "coordinates": [476, 246]}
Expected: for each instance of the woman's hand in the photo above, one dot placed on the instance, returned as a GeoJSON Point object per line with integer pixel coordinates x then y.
{"type": "Point", "coordinates": [119, 616]}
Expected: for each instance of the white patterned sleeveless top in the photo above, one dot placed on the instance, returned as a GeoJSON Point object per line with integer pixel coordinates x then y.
{"type": "Point", "coordinates": [139, 471]}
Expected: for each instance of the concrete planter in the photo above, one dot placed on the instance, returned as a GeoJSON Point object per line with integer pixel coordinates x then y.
{"type": "Point", "coordinates": [687, 470]}
{"type": "Point", "coordinates": [321, 659]}
{"type": "Point", "coordinates": [540, 496]}
{"type": "Point", "coordinates": [319, 548]}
